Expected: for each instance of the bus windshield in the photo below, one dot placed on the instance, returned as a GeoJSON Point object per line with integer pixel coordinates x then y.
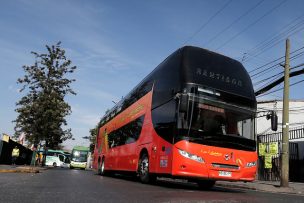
{"type": "Point", "coordinates": [218, 124]}
{"type": "Point", "coordinates": [79, 156]}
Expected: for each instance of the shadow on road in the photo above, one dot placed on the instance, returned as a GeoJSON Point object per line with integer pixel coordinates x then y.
{"type": "Point", "coordinates": [172, 183]}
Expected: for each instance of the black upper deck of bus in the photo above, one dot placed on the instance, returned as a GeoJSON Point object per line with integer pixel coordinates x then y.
{"type": "Point", "coordinates": [195, 66]}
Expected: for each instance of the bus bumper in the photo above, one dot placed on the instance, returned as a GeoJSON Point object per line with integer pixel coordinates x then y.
{"type": "Point", "coordinates": [78, 164]}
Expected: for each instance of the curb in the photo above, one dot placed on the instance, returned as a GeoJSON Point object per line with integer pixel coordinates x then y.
{"type": "Point", "coordinates": [20, 170]}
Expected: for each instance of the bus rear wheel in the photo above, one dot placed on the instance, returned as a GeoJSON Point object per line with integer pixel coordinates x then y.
{"type": "Point", "coordinates": [101, 168]}
{"type": "Point", "coordinates": [205, 184]}
{"type": "Point", "coordinates": [143, 171]}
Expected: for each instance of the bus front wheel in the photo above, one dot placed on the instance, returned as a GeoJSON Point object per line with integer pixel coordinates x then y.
{"type": "Point", "coordinates": [144, 175]}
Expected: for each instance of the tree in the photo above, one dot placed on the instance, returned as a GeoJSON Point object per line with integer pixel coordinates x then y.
{"type": "Point", "coordinates": [93, 133]}
{"type": "Point", "coordinates": [42, 111]}
{"type": "Point", "coordinates": [92, 137]}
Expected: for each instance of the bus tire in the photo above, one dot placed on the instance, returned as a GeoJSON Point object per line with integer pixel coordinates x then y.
{"type": "Point", "coordinates": [143, 170]}
{"type": "Point", "coordinates": [101, 166]}
{"type": "Point", "coordinates": [55, 164]}
{"type": "Point", "coordinates": [205, 184]}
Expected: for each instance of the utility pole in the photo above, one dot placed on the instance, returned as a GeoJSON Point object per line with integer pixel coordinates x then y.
{"type": "Point", "coordinates": [285, 123]}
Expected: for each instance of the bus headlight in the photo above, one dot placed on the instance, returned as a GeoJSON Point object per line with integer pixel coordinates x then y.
{"type": "Point", "coordinates": [191, 156]}
{"type": "Point", "coordinates": [251, 164]}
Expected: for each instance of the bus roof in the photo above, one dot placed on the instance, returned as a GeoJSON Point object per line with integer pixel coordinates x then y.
{"type": "Point", "coordinates": [81, 148]}
{"type": "Point", "coordinates": [205, 68]}
{"type": "Point", "coordinates": [191, 65]}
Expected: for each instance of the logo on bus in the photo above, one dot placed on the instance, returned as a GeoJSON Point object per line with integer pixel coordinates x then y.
{"type": "Point", "coordinates": [227, 157]}
{"type": "Point", "coordinates": [219, 76]}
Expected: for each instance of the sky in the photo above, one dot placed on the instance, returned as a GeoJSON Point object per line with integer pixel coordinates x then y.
{"type": "Point", "coordinates": [115, 44]}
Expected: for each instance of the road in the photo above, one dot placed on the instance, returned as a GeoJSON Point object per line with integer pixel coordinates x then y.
{"type": "Point", "coordinates": [64, 185]}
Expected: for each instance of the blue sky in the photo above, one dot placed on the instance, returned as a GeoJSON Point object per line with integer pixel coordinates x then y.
{"type": "Point", "coordinates": [115, 44]}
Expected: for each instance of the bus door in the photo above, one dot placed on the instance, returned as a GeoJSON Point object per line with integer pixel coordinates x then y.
{"type": "Point", "coordinates": [107, 143]}
{"type": "Point", "coordinates": [164, 157]}
{"type": "Point", "coordinates": [112, 155]}
{"type": "Point", "coordinates": [61, 158]}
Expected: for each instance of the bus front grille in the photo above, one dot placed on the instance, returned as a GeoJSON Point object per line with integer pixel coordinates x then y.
{"type": "Point", "coordinates": [217, 165]}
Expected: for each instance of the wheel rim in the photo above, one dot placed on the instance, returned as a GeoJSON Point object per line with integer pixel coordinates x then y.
{"type": "Point", "coordinates": [102, 166]}
{"type": "Point", "coordinates": [144, 166]}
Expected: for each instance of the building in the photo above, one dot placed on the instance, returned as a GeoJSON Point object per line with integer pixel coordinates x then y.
{"type": "Point", "coordinates": [296, 115]}
{"type": "Point", "coordinates": [266, 136]}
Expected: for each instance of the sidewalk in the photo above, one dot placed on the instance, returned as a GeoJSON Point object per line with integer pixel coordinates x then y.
{"type": "Point", "coordinates": [20, 169]}
{"type": "Point", "coordinates": [266, 186]}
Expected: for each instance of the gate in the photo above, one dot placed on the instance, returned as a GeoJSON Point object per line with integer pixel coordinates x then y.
{"type": "Point", "coordinates": [296, 166]}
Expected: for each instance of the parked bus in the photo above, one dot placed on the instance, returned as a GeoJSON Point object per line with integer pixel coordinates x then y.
{"type": "Point", "coordinates": [79, 157]}
{"type": "Point", "coordinates": [55, 158]}
{"type": "Point", "coordinates": [191, 118]}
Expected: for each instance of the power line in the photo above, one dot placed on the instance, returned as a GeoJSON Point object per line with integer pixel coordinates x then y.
{"type": "Point", "coordinates": [269, 82]}
{"type": "Point", "coordinates": [278, 81]}
{"type": "Point", "coordinates": [253, 23]}
{"type": "Point", "coordinates": [275, 76]}
{"type": "Point", "coordinates": [280, 109]}
{"type": "Point", "coordinates": [280, 89]}
{"type": "Point", "coordinates": [267, 64]}
{"type": "Point", "coordinates": [207, 22]}
{"type": "Point", "coordinates": [266, 69]}
{"type": "Point", "coordinates": [276, 43]}
{"type": "Point", "coordinates": [278, 64]}
{"type": "Point", "coordinates": [261, 81]}
{"type": "Point", "coordinates": [266, 44]}
{"type": "Point", "coordinates": [234, 22]}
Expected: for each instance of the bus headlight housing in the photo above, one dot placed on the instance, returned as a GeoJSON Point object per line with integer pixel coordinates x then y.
{"type": "Point", "coordinates": [251, 164]}
{"type": "Point", "coordinates": [191, 156]}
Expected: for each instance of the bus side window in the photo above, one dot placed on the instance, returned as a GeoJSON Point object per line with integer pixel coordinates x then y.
{"type": "Point", "coordinates": [67, 160]}
{"type": "Point", "coordinates": [130, 140]}
{"type": "Point", "coordinates": [61, 157]}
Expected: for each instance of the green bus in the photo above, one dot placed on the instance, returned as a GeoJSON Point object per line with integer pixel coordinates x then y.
{"type": "Point", "coordinates": [79, 157]}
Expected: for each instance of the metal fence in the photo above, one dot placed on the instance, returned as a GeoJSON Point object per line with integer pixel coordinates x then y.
{"type": "Point", "coordinates": [295, 133]}
{"type": "Point", "coordinates": [296, 165]}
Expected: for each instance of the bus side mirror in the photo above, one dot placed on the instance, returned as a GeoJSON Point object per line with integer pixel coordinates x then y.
{"type": "Point", "coordinates": [274, 120]}
{"type": "Point", "coordinates": [183, 103]}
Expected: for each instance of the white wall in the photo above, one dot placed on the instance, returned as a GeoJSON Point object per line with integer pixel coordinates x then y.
{"type": "Point", "coordinates": [296, 119]}
{"type": "Point", "coordinates": [296, 115]}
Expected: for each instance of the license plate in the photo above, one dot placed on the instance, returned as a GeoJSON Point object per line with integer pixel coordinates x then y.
{"type": "Point", "coordinates": [225, 173]}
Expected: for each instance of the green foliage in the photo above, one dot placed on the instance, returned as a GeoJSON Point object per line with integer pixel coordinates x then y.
{"type": "Point", "coordinates": [92, 137]}
{"type": "Point", "coordinates": [42, 111]}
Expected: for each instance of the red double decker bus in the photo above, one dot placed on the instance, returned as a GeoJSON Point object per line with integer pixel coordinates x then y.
{"type": "Point", "coordinates": [192, 117]}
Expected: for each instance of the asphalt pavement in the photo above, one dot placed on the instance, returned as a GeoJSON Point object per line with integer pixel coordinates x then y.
{"type": "Point", "coordinates": [266, 186]}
